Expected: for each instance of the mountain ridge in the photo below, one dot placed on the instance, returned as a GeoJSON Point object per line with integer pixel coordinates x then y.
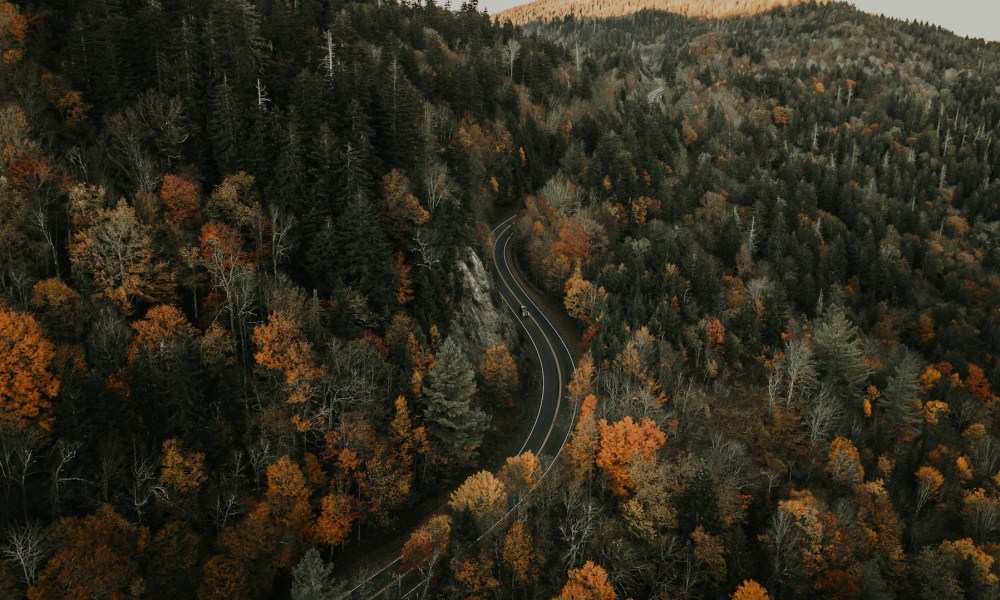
{"type": "Point", "coordinates": [549, 10]}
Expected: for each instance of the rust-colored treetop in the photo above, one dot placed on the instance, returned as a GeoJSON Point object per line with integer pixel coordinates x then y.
{"type": "Point", "coordinates": [27, 384]}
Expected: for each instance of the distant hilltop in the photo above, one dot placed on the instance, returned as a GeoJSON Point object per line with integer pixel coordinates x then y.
{"type": "Point", "coordinates": [549, 10]}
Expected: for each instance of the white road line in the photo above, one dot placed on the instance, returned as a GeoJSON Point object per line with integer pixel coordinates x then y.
{"type": "Point", "coordinates": [538, 352]}
{"type": "Point", "coordinates": [559, 376]}
{"type": "Point", "coordinates": [506, 224]}
{"type": "Point", "coordinates": [569, 429]}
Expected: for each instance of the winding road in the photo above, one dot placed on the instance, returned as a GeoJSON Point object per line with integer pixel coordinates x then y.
{"type": "Point", "coordinates": [555, 413]}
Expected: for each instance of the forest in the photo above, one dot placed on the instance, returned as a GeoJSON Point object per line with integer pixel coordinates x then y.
{"type": "Point", "coordinates": [248, 331]}
{"type": "Point", "coordinates": [557, 10]}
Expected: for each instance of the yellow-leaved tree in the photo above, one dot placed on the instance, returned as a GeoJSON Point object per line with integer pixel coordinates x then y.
{"type": "Point", "coordinates": [499, 374]}
{"type": "Point", "coordinates": [483, 495]}
{"type": "Point", "coordinates": [521, 555]}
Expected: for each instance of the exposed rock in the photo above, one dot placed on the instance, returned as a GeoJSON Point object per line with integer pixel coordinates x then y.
{"type": "Point", "coordinates": [482, 318]}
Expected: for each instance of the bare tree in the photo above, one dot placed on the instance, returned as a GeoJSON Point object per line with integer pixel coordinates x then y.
{"type": "Point", "coordinates": [577, 527]}
{"type": "Point", "coordinates": [40, 220]}
{"type": "Point", "coordinates": [821, 421]}
{"type": "Point", "coordinates": [65, 451]}
{"type": "Point", "coordinates": [510, 51]}
{"type": "Point", "coordinates": [260, 454]}
{"type": "Point", "coordinates": [775, 376]}
{"type": "Point", "coordinates": [329, 61]}
{"type": "Point", "coordinates": [782, 543]}
{"type": "Point", "coordinates": [281, 239]}
{"type": "Point", "coordinates": [424, 246]}
{"type": "Point", "coordinates": [111, 467]}
{"type": "Point", "coordinates": [26, 548]}
{"type": "Point", "coordinates": [225, 508]}
{"type": "Point", "coordinates": [800, 368]}
{"type": "Point", "coordinates": [146, 138]}
{"type": "Point", "coordinates": [145, 485]}
{"type": "Point", "coordinates": [438, 187]}
{"type": "Point", "coordinates": [18, 455]}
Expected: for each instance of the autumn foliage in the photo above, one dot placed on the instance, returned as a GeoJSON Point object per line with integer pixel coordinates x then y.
{"type": "Point", "coordinates": [336, 518]}
{"type": "Point", "coordinates": [750, 590]}
{"type": "Point", "coordinates": [482, 494]}
{"type": "Point", "coordinates": [181, 471]}
{"type": "Point", "coordinates": [621, 444]}
{"type": "Point", "coordinates": [98, 557]}
{"type": "Point", "coordinates": [249, 328]}
{"type": "Point", "coordinates": [282, 346]}
{"type": "Point", "coordinates": [182, 199]}
{"type": "Point", "coordinates": [589, 582]}
{"type": "Point", "coordinates": [499, 373]}
{"type": "Point", "coordinates": [27, 381]}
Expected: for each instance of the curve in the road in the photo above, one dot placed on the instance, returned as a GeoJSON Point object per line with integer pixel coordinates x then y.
{"type": "Point", "coordinates": [556, 365]}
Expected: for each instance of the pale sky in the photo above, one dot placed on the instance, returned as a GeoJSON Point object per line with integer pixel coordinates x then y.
{"type": "Point", "coordinates": [975, 18]}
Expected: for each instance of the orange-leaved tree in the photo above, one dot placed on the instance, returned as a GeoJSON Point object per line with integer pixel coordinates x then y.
{"type": "Point", "coordinates": [159, 333]}
{"type": "Point", "coordinates": [427, 545]}
{"type": "Point", "coordinates": [181, 471]}
{"type": "Point", "coordinates": [521, 473]}
{"type": "Point", "coordinates": [583, 299]}
{"type": "Point", "coordinates": [96, 556]}
{"type": "Point", "coordinates": [222, 578]}
{"type": "Point", "coordinates": [274, 531]}
{"type": "Point", "coordinates": [476, 577]}
{"type": "Point", "coordinates": [115, 251]}
{"type": "Point", "coordinates": [60, 308]}
{"type": "Point", "coordinates": [335, 520]}
{"type": "Point", "coordinates": [13, 34]}
{"type": "Point", "coordinates": [182, 199]}
{"type": "Point", "coordinates": [582, 383]}
{"type": "Point", "coordinates": [979, 386]}
{"type": "Point", "coordinates": [844, 463]}
{"type": "Point", "coordinates": [589, 582]}
{"type": "Point", "coordinates": [400, 209]}
{"type": "Point", "coordinates": [750, 590]}
{"type": "Point", "coordinates": [27, 383]}
{"type": "Point", "coordinates": [283, 346]}
{"type": "Point", "coordinates": [622, 443]}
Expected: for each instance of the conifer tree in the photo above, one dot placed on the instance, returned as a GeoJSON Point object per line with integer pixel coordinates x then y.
{"type": "Point", "coordinates": [838, 349]}
{"type": "Point", "coordinates": [362, 256]}
{"type": "Point", "coordinates": [455, 425]}
{"type": "Point", "coordinates": [312, 579]}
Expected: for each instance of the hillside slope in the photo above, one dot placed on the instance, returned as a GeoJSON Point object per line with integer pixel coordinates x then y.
{"type": "Point", "coordinates": [550, 10]}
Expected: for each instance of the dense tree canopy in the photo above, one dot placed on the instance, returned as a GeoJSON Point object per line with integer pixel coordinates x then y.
{"type": "Point", "coordinates": [245, 333]}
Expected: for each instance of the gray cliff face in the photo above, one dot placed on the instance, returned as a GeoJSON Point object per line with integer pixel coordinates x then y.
{"type": "Point", "coordinates": [482, 319]}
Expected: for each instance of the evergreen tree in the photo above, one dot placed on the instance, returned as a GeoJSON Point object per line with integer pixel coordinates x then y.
{"type": "Point", "coordinates": [838, 349]}
{"type": "Point", "coordinates": [312, 579]}
{"type": "Point", "coordinates": [698, 504]}
{"type": "Point", "coordinates": [455, 425]}
{"type": "Point", "coordinates": [225, 127]}
{"type": "Point", "coordinates": [397, 125]}
{"type": "Point", "coordinates": [361, 256]}
{"type": "Point", "coordinates": [897, 400]}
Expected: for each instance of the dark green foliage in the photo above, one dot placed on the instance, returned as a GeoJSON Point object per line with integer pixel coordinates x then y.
{"type": "Point", "coordinates": [361, 257]}
{"type": "Point", "coordinates": [312, 579]}
{"type": "Point", "coordinates": [455, 425]}
{"type": "Point", "coordinates": [697, 504]}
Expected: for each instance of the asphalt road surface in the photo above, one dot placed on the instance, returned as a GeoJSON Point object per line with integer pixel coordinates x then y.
{"type": "Point", "coordinates": [552, 421]}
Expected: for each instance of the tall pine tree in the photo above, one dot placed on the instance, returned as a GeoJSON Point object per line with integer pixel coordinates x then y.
{"type": "Point", "coordinates": [456, 426]}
